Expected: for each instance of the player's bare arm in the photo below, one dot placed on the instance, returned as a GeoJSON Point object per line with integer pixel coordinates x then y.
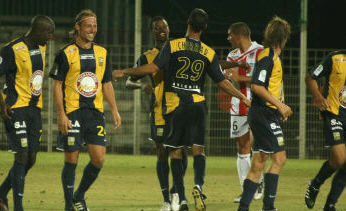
{"type": "Point", "coordinates": [63, 122]}
{"type": "Point", "coordinates": [262, 92]}
{"type": "Point", "coordinates": [108, 93]}
{"type": "Point", "coordinates": [320, 102]}
{"type": "Point", "coordinates": [230, 64]}
{"type": "Point", "coordinates": [229, 89]}
{"type": "Point", "coordinates": [141, 70]}
{"type": "Point", "coordinates": [5, 110]}
{"type": "Point", "coordinates": [233, 75]}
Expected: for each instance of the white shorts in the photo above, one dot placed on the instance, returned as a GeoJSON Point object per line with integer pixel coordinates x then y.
{"type": "Point", "coordinates": [239, 126]}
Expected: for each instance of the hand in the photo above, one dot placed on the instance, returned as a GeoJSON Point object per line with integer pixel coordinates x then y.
{"type": "Point", "coordinates": [148, 89]}
{"type": "Point", "coordinates": [117, 120]}
{"type": "Point", "coordinates": [63, 123]}
{"type": "Point", "coordinates": [245, 66]}
{"type": "Point", "coordinates": [247, 102]}
{"type": "Point", "coordinates": [117, 74]}
{"type": "Point", "coordinates": [321, 103]}
{"type": "Point", "coordinates": [6, 111]}
{"type": "Point", "coordinates": [232, 74]}
{"type": "Point", "coordinates": [285, 112]}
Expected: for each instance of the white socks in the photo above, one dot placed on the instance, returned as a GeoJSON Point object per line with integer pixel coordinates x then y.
{"type": "Point", "coordinates": [243, 167]}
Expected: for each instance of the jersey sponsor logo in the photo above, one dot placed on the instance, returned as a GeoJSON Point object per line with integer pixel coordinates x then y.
{"type": "Point", "coordinates": [262, 76]}
{"type": "Point", "coordinates": [35, 83]}
{"type": "Point", "coordinates": [35, 52]}
{"type": "Point", "coordinates": [87, 56]}
{"type": "Point", "coordinates": [87, 84]}
{"type": "Point", "coordinates": [342, 97]}
{"type": "Point", "coordinates": [71, 50]}
{"type": "Point", "coordinates": [318, 70]}
{"type": "Point", "coordinates": [18, 125]}
{"type": "Point", "coordinates": [19, 48]}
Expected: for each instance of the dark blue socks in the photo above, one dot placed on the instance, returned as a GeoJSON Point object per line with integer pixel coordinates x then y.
{"type": "Point", "coordinates": [178, 177]}
{"type": "Point", "coordinates": [89, 176]}
{"type": "Point", "coordinates": [199, 164]}
{"type": "Point", "coordinates": [162, 170]}
{"type": "Point", "coordinates": [68, 177]}
{"type": "Point", "coordinates": [17, 175]}
{"type": "Point", "coordinates": [270, 188]}
{"type": "Point", "coordinates": [249, 190]}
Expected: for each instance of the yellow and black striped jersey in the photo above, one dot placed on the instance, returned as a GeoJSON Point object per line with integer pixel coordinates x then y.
{"type": "Point", "coordinates": [268, 73]}
{"type": "Point", "coordinates": [185, 62]}
{"type": "Point", "coordinates": [24, 66]}
{"type": "Point", "coordinates": [83, 71]}
{"type": "Point", "coordinates": [333, 68]}
{"type": "Point", "coordinates": [157, 82]}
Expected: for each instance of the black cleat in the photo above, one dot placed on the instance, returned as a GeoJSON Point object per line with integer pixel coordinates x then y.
{"type": "Point", "coordinates": [183, 206]}
{"type": "Point", "coordinates": [199, 198]}
{"type": "Point", "coordinates": [310, 196]}
{"type": "Point", "coordinates": [4, 204]}
{"type": "Point", "coordinates": [330, 207]}
{"type": "Point", "coordinates": [80, 205]}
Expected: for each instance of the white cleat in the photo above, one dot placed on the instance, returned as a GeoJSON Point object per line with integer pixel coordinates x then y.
{"type": "Point", "coordinates": [259, 192]}
{"type": "Point", "coordinates": [175, 202]}
{"type": "Point", "coordinates": [166, 207]}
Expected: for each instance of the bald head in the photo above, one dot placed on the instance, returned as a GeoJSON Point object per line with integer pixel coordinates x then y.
{"type": "Point", "coordinates": [41, 22]}
{"type": "Point", "coordinates": [41, 30]}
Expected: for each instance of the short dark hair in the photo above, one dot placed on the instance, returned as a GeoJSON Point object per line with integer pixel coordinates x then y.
{"type": "Point", "coordinates": [277, 33]}
{"type": "Point", "coordinates": [154, 20]}
{"type": "Point", "coordinates": [240, 28]}
{"type": "Point", "coordinates": [198, 20]}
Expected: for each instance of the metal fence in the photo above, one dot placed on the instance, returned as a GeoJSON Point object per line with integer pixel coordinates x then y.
{"type": "Point", "coordinates": [218, 141]}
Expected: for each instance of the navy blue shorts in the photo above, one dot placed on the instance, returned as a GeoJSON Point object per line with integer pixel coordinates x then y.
{"type": "Point", "coordinates": [186, 126]}
{"type": "Point", "coordinates": [334, 127]}
{"type": "Point", "coordinates": [266, 128]}
{"type": "Point", "coordinates": [88, 127]}
{"type": "Point", "coordinates": [24, 129]}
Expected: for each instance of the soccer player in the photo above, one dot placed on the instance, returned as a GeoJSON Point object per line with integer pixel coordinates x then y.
{"type": "Point", "coordinates": [23, 62]}
{"type": "Point", "coordinates": [267, 108]}
{"type": "Point", "coordinates": [160, 31]}
{"type": "Point", "coordinates": [82, 77]}
{"type": "Point", "coordinates": [245, 51]}
{"type": "Point", "coordinates": [185, 63]}
{"type": "Point", "coordinates": [332, 105]}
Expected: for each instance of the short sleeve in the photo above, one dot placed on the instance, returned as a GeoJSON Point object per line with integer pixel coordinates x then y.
{"type": "Point", "coordinates": [107, 76]}
{"type": "Point", "coordinates": [215, 71]}
{"type": "Point", "coordinates": [8, 63]}
{"type": "Point", "coordinates": [321, 69]}
{"type": "Point", "coordinates": [163, 58]}
{"type": "Point", "coordinates": [262, 71]}
{"type": "Point", "coordinates": [60, 67]}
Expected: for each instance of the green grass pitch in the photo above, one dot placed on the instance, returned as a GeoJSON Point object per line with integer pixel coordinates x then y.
{"type": "Point", "coordinates": [129, 183]}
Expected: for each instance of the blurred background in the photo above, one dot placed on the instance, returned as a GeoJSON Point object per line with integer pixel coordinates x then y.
{"type": "Point", "coordinates": [318, 27]}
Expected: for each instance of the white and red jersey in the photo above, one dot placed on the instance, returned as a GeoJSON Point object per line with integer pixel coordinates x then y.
{"type": "Point", "coordinates": [249, 56]}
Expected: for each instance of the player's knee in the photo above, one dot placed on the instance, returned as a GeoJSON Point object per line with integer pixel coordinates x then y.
{"type": "Point", "coordinates": [197, 150]}
{"type": "Point", "coordinates": [337, 162]}
{"type": "Point", "coordinates": [279, 161]}
{"type": "Point", "coordinates": [98, 162]}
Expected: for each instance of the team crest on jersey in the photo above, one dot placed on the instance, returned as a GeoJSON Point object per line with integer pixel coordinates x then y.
{"type": "Point", "coordinates": [36, 82]}
{"type": "Point", "coordinates": [101, 60]}
{"type": "Point", "coordinates": [342, 97]}
{"type": "Point", "coordinates": [87, 84]}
